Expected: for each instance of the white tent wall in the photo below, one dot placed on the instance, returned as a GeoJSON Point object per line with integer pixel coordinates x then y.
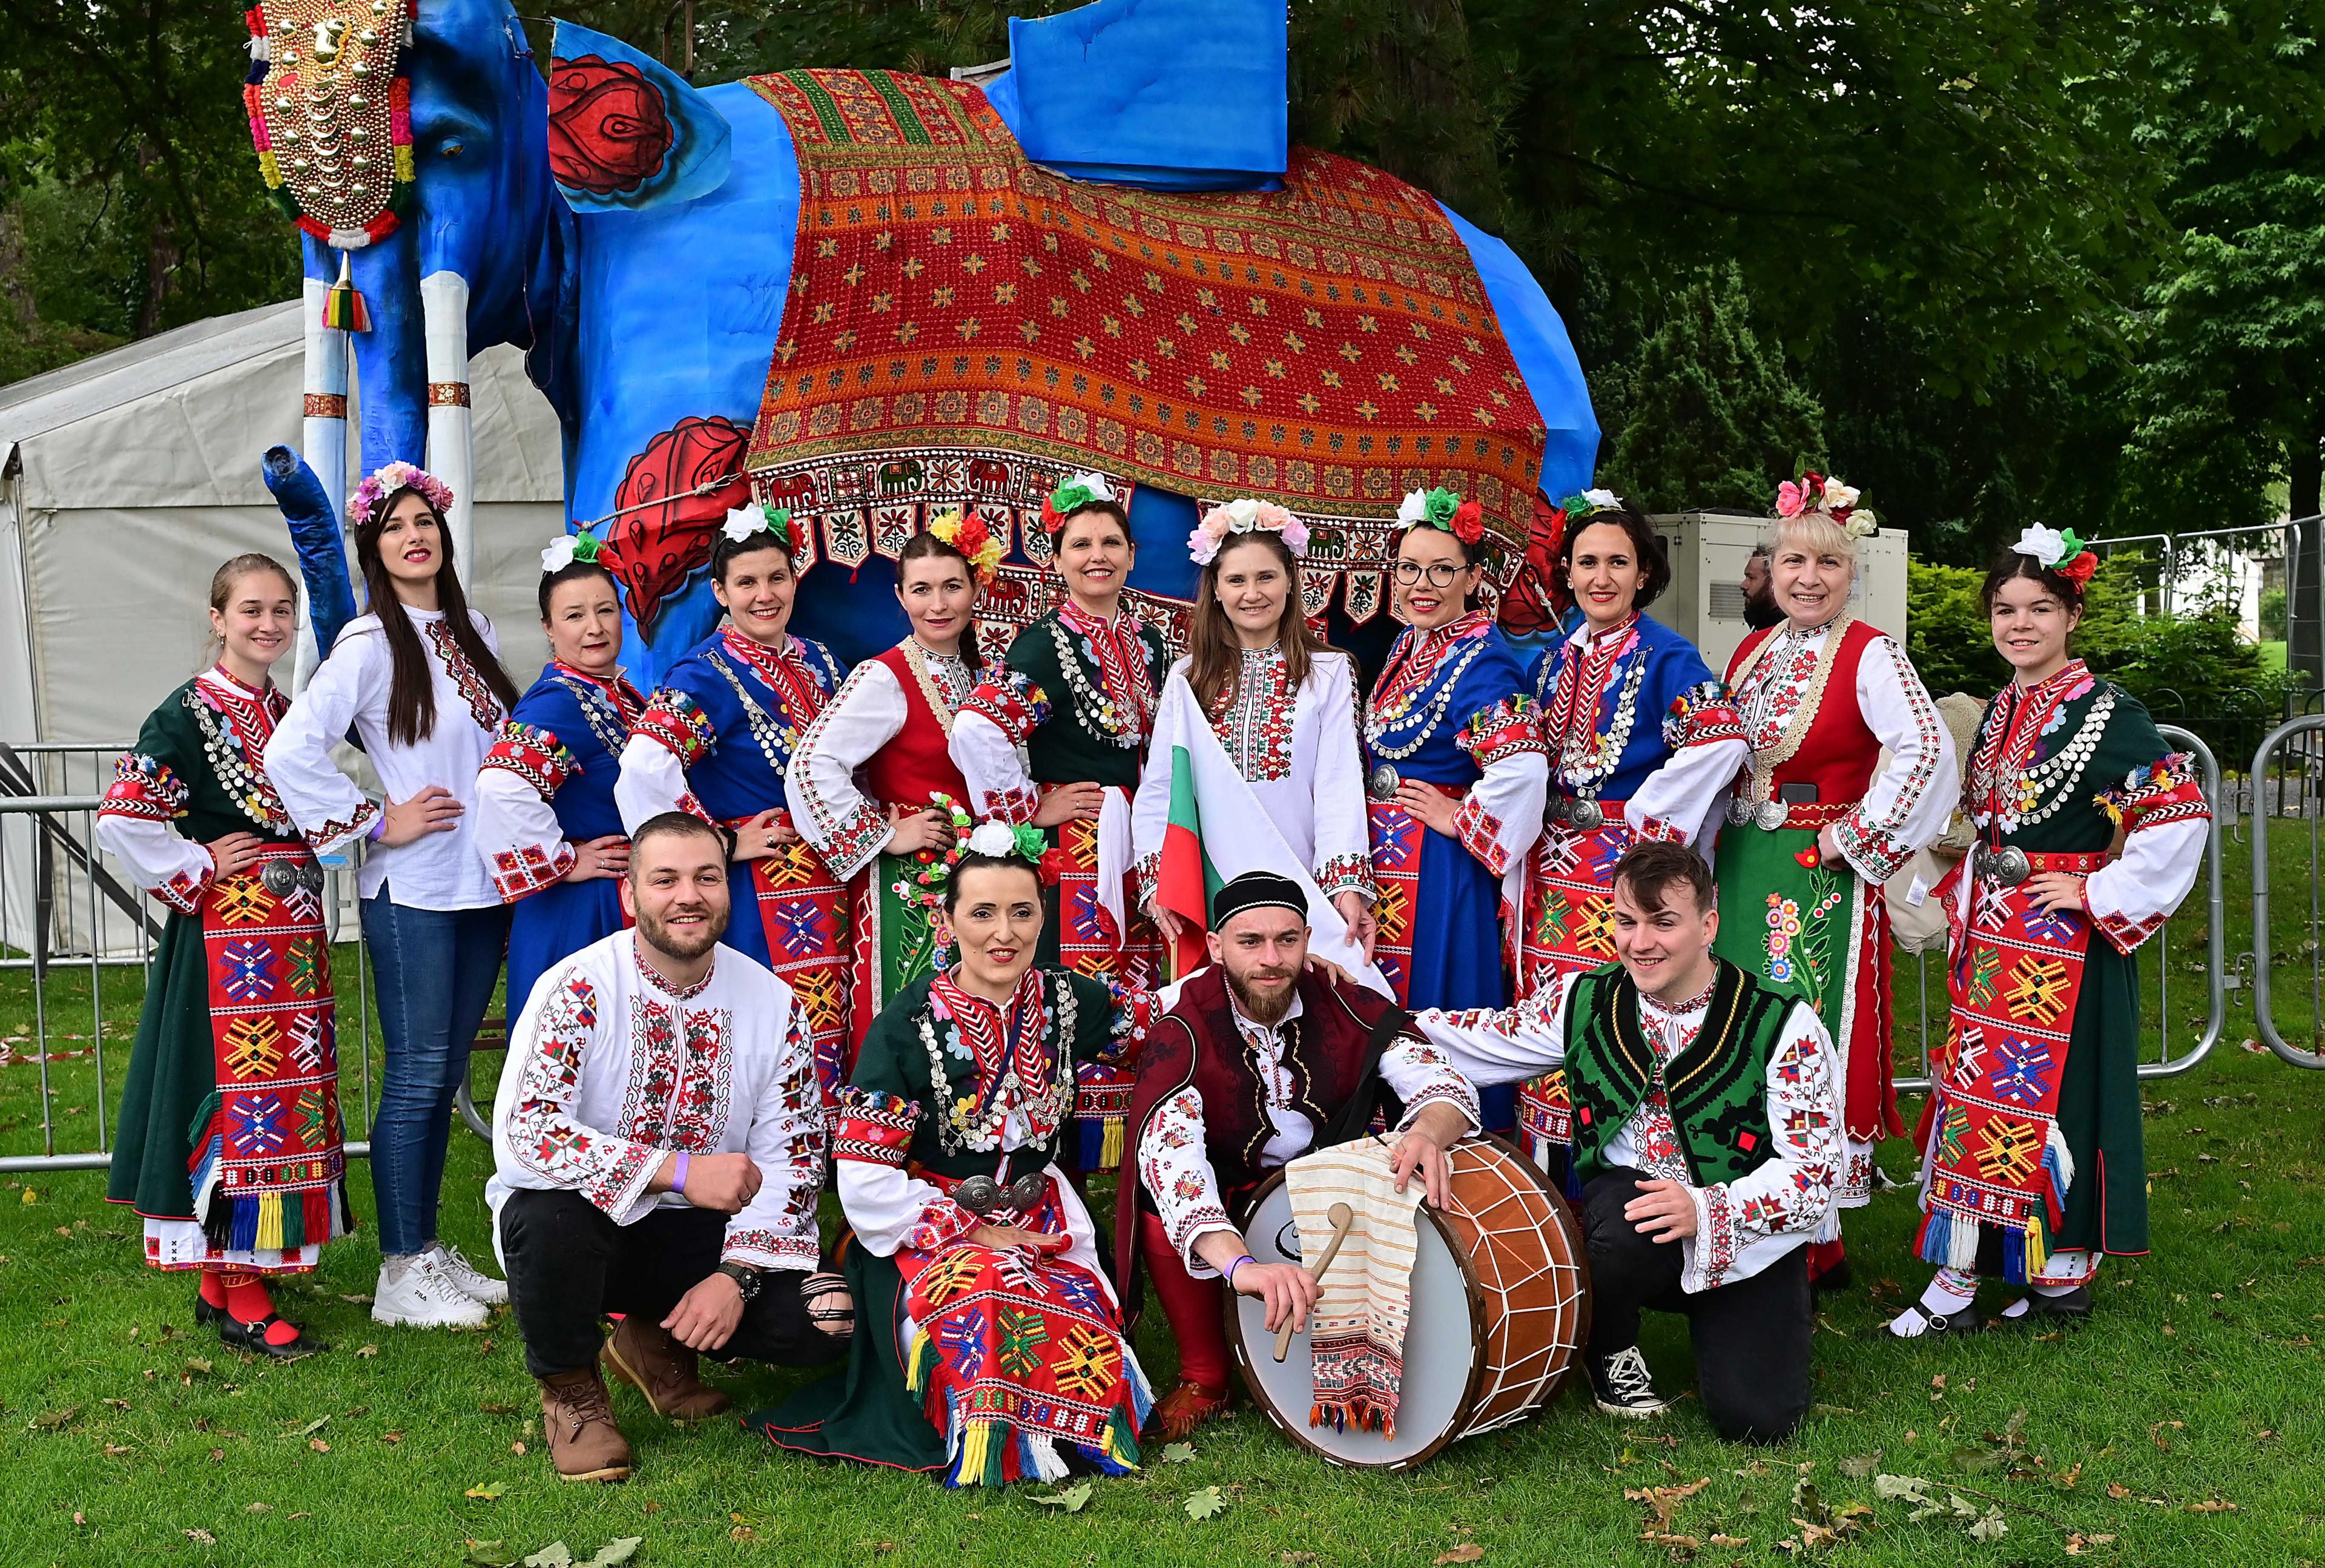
{"type": "Point", "coordinates": [126, 478]}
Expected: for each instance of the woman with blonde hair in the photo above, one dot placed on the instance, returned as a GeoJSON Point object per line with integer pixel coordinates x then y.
{"type": "Point", "coordinates": [1812, 830]}
{"type": "Point", "coordinates": [1284, 709]}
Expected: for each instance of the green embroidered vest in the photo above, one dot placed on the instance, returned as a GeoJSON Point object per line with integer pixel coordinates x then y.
{"type": "Point", "coordinates": [1717, 1088]}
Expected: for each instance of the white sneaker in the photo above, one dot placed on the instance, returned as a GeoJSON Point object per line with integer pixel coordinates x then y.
{"type": "Point", "coordinates": [465, 1277]}
{"type": "Point", "coordinates": [417, 1294]}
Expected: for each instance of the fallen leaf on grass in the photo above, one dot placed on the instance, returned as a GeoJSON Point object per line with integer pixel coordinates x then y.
{"type": "Point", "coordinates": [201, 1538]}
{"type": "Point", "coordinates": [217, 1456]}
{"type": "Point", "coordinates": [1467, 1552]}
{"type": "Point", "coordinates": [319, 1445]}
{"type": "Point", "coordinates": [517, 1449]}
{"type": "Point", "coordinates": [489, 1555]}
{"type": "Point", "coordinates": [488, 1490]}
{"type": "Point", "coordinates": [2156, 1432]}
{"type": "Point", "coordinates": [54, 1420]}
{"type": "Point", "coordinates": [259, 1508]}
{"type": "Point", "coordinates": [1204, 1504]}
{"type": "Point", "coordinates": [2077, 1544]}
{"type": "Point", "coordinates": [115, 1449]}
{"type": "Point", "coordinates": [391, 1437]}
{"type": "Point", "coordinates": [742, 1533]}
{"type": "Point", "coordinates": [358, 1299]}
{"type": "Point", "coordinates": [2117, 1490]}
{"type": "Point", "coordinates": [1990, 1526]}
{"type": "Point", "coordinates": [556, 1554]}
{"type": "Point", "coordinates": [1178, 1453]}
{"type": "Point", "coordinates": [2066, 1479]}
{"type": "Point", "coordinates": [1073, 1500]}
{"type": "Point", "coordinates": [1856, 1467]}
{"type": "Point", "coordinates": [124, 1404]}
{"type": "Point", "coordinates": [1731, 1540]}
{"type": "Point", "coordinates": [2215, 1505]}
{"type": "Point", "coordinates": [1665, 1501]}
{"type": "Point", "coordinates": [1677, 1543]}
{"type": "Point", "coordinates": [367, 1351]}
{"type": "Point", "coordinates": [498, 1409]}
{"type": "Point", "coordinates": [313, 1426]}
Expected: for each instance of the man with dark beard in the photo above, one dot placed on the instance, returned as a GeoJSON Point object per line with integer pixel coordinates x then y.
{"type": "Point", "coordinates": [659, 1146]}
{"type": "Point", "coordinates": [1260, 1060]}
{"type": "Point", "coordinates": [1760, 611]}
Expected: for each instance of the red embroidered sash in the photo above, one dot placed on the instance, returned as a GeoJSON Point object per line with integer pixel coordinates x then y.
{"type": "Point", "coordinates": [1566, 926]}
{"type": "Point", "coordinates": [803, 909]}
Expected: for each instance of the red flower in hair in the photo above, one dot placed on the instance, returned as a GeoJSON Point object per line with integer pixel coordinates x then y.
{"type": "Point", "coordinates": [2080, 570]}
{"type": "Point", "coordinates": [1055, 863]}
{"type": "Point", "coordinates": [1051, 520]}
{"type": "Point", "coordinates": [1468, 522]}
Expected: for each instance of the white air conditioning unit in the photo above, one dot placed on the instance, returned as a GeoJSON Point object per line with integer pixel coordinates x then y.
{"type": "Point", "coordinates": [1705, 600]}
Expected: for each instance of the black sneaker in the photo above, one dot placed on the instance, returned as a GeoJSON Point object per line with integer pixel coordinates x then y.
{"type": "Point", "coordinates": [1619, 1385]}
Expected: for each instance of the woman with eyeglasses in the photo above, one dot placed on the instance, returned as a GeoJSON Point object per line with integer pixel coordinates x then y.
{"type": "Point", "coordinates": [1454, 771]}
{"type": "Point", "coordinates": [1642, 740]}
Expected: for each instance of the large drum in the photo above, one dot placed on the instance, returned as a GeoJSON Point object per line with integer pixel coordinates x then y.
{"type": "Point", "coordinates": [1501, 1306]}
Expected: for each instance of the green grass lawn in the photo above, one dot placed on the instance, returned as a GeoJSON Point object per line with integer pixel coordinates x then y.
{"type": "Point", "coordinates": [2183, 1422]}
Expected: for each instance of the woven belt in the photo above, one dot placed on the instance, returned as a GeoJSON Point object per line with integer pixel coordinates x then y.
{"type": "Point", "coordinates": [1581, 813]}
{"type": "Point", "coordinates": [1807, 814]}
{"type": "Point", "coordinates": [1382, 783]}
{"type": "Point", "coordinates": [2008, 865]}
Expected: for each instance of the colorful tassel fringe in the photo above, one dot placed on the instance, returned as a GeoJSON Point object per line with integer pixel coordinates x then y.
{"type": "Point", "coordinates": [344, 309]}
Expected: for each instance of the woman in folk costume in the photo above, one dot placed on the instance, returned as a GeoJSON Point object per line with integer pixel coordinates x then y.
{"type": "Point", "coordinates": [1812, 830]}
{"type": "Point", "coordinates": [992, 1349]}
{"type": "Point", "coordinates": [1057, 737]}
{"type": "Point", "coordinates": [1642, 740]}
{"type": "Point", "coordinates": [2033, 1160]}
{"type": "Point", "coordinates": [873, 778]}
{"type": "Point", "coordinates": [546, 822]}
{"type": "Point", "coordinates": [229, 1138]}
{"type": "Point", "coordinates": [1454, 754]}
{"type": "Point", "coordinates": [417, 678]}
{"type": "Point", "coordinates": [1283, 707]}
{"type": "Point", "coordinates": [717, 740]}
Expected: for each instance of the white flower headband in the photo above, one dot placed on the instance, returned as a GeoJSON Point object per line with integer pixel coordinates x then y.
{"type": "Point", "coordinates": [1245, 515]}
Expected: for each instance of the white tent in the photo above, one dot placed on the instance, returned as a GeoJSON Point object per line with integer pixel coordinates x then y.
{"type": "Point", "coordinates": [126, 478]}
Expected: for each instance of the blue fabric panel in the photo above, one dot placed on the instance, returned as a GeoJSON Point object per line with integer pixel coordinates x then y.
{"type": "Point", "coordinates": [1168, 95]}
{"type": "Point", "coordinates": [1545, 356]}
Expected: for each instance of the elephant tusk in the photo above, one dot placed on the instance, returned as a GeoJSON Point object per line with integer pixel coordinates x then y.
{"type": "Point", "coordinates": [451, 431]}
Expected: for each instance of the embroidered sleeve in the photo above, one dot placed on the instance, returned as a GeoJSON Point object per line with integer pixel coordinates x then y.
{"type": "Point", "coordinates": [1910, 801]}
{"type": "Point", "coordinates": [1487, 1045]}
{"type": "Point", "coordinates": [134, 825]}
{"type": "Point", "coordinates": [533, 754]}
{"type": "Point", "coordinates": [1510, 728]}
{"type": "Point", "coordinates": [1173, 1163]}
{"type": "Point", "coordinates": [776, 1229]}
{"type": "Point", "coordinates": [1344, 860]}
{"type": "Point", "coordinates": [1705, 739]}
{"type": "Point", "coordinates": [1348, 873]}
{"type": "Point", "coordinates": [1744, 1225]}
{"type": "Point", "coordinates": [539, 1133]}
{"type": "Point", "coordinates": [1701, 715]}
{"type": "Point", "coordinates": [988, 745]}
{"type": "Point", "coordinates": [2165, 817]}
{"type": "Point", "coordinates": [890, 1210]}
{"type": "Point", "coordinates": [651, 781]}
{"type": "Point", "coordinates": [832, 814]}
{"type": "Point", "coordinates": [324, 802]}
{"type": "Point", "coordinates": [1012, 702]}
{"type": "Point", "coordinates": [675, 722]}
{"type": "Point", "coordinates": [875, 1128]}
{"type": "Point", "coordinates": [1420, 1073]}
{"type": "Point", "coordinates": [1149, 806]}
{"type": "Point", "coordinates": [517, 833]}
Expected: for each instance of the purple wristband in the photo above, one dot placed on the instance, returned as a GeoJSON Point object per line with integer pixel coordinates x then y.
{"type": "Point", "coordinates": [678, 1177]}
{"type": "Point", "coordinates": [378, 828]}
{"type": "Point", "coordinates": [1238, 1263]}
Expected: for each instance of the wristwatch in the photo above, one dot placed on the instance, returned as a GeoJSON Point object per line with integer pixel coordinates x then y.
{"type": "Point", "coordinates": [747, 1279]}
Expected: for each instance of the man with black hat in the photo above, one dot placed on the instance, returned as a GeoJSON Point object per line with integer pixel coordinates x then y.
{"type": "Point", "coordinates": [1259, 1060]}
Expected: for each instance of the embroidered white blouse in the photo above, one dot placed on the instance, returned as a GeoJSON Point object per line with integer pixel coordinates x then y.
{"type": "Point", "coordinates": [846, 826]}
{"type": "Point", "coordinates": [1741, 1227]}
{"type": "Point", "coordinates": [610, 1069]}
{"type": "Point", "coordinates": [436, 870]}
{"type": "Point", "coordinates": [1679, 799]}
{"type": "Point", "coordinates": [1296, 747]}
{"type": "Point", "coordinates": [1910, 801]}
{"type": "Point", "coordinates": [1171, 1158]}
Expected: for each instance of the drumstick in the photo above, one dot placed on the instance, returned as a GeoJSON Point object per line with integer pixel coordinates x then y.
{"type": "Point", "coordinates": [1344, 1219]}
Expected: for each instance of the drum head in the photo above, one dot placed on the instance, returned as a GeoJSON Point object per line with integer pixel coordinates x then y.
{"type": "Point", "coordinates": [1441, 1349]}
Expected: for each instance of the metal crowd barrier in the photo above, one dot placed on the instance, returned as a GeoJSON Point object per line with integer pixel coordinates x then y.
{"type": "Point", "coordinates": [2294, 791]}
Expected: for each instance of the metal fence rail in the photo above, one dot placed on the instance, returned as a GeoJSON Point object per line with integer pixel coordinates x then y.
{"type": "Point", "coordinates": [2288, 773]}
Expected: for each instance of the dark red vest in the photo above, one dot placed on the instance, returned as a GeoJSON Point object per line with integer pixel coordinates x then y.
{"type": "Point", "coordinates": [915, 760]}
{"type": "Point", "coordinates": [1840, 751]}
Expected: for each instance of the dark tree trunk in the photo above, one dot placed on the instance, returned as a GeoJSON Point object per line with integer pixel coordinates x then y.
{"type": "Point", "coordinates": [2304, 473]}
{"type": "Point", "coordinates": [162, 251]}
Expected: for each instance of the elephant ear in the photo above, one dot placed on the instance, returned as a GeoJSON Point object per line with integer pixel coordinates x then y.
{"type": "Point", "coordinates": [625, 130]}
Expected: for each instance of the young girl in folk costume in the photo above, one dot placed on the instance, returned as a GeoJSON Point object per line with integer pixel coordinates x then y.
{"type": "Point", "coordinates": [873, 778]}
{"type": "Point", "coordinates": [1813, 832]}
{"type": "Point", "coordinates": [546, 822]}
{"type": "Point", "coordinates": [717, 739]}
{"type": "Point", "coordinates": [1642, 740]}
{"type": "Point", "coordinates": [1057, 736]}
{"type": "Point", "coordinates": [991, 1347]}
{"type": "Point", "coordinates": [1455, 770]}
{"type": "Point", "coordinates": [2032, 1162]}
{"type": "Point", "coordinates": [1283, 707]}
{"type": "Point", "coordinates": [417, 678]}
{"type": "Point", "coordinates": [229, 1141]}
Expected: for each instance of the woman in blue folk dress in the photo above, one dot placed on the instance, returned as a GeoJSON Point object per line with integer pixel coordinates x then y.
{"type": "Point", "coordinates": [715, 740]}
{"type": "Point", "coordinates": [1454, 772]}
{"type": "Point", "coordinates": [546, 822]}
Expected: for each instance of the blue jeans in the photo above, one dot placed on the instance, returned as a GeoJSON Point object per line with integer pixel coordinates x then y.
{"type": "Point", "coordinates": [434, 971]}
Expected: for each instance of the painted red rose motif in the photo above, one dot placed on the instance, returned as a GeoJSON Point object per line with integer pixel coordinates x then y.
{"type": "Point", "coordinates": [1535, 602]}
{"type": "Point", "coordinates": [694, 470]}
{"type": "Point", "coordinates": [609, 131]}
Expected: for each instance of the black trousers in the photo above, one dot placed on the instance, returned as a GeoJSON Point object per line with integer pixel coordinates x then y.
{"type": "Point", "coordinates": [570, 1264]}
{"type": "Point", "coordinates": [1751, 1338]}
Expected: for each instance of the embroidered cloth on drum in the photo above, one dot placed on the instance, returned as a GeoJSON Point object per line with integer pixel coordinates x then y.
{"type": "Point", "coordinates": [1356, 1332]}
{"type": "Point", "coordinates": [1327, 346]}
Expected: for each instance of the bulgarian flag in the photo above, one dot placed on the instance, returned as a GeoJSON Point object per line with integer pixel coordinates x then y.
{"type": "Point", "coordinates": [1217, 829]}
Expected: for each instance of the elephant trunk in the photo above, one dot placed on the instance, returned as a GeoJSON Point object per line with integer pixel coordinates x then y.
{"type": "Point", "coordinates": [451, 434]}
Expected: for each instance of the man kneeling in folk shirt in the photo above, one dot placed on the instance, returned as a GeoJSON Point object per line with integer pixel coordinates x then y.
{"type": "Point", "coordinates": [1706, 1136]}
{"type": "Point", "coordinates": [1260, 1059]}
{"type": "Point", "coordinates": [658, 1144]}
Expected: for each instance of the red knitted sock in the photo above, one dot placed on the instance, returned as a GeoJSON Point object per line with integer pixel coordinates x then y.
{"type": "Point", "coordinates": [213, 1290]}
{"type": "Point", "coordinates": [247, 1298]}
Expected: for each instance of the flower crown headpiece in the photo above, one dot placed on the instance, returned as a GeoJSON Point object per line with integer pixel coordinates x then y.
{"type": "Point", "coordinates": [1442, 508]}
{"type": "Point", "coordinates": [1575, 508]}
{"type": "Point", "coordinates": [2059, 551]}
{"type": "Point", "coordinates": [567, 549]}
{"type": "Point", "coordinates": [966, 532]}
{"type": "Point", "coordinates": [386, 480]}
{"type": "Point", "coordinates": [1817, 493]}
{"type": "Point", "coordinates": [1028, 843]}
{"type": "Point", "coordinates": [1085, 489]}
{"type": "Point", "coordinates": [1245, 515]}
{"type": "Point", "coordinates": [742, 522]}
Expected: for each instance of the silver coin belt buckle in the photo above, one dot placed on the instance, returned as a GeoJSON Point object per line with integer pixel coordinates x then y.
{"type": "Point", "coordinates": [982, 1195]}
{"type": "Point", "coordinates": [2006, 867]}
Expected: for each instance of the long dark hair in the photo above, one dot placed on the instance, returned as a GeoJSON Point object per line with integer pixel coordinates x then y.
{"type": "Point", "coordinates": [411, 692]}
{"type": "Point", "coordinates": [1214, 651]}
{"type": "Point", "coordinates": [920, 547]}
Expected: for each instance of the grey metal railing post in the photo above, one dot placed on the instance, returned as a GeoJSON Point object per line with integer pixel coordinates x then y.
{"type": "Point", "coordinates": [2315, 1060]}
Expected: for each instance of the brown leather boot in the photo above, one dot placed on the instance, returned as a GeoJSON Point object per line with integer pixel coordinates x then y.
{"type": "Point", "coordinates": [667, 1373]}
{"type": "Point", "coordinates": [583, 1443]}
